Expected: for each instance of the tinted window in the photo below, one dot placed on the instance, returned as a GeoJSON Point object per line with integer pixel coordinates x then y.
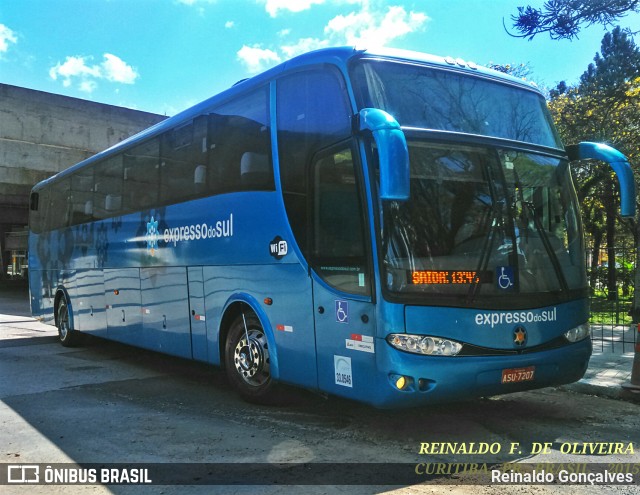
{"type": "Point", "coordinates": [338, 252]}
{"type": "Point", "coordinates": [141, 176]}
{"type": "Point", "coordinates": [225, 150]}
{"type": "Point", "coordinates": [240, 145]}
{"type": "Point", "coordinates": [82, 196]}
{"type": "Point", "coordinates": [313, 113]}
{"type": "Point", "coordinates": [58, 208]}
{"type": "Point", "coordinates": [107, 198]}
{"type": "Point", "coordinates": [418, 96]}
{"type": "Point", "coordinates": [37, 208]}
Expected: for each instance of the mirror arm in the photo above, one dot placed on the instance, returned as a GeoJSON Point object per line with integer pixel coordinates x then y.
{"type": "Point", "coordinates": [393, 151]}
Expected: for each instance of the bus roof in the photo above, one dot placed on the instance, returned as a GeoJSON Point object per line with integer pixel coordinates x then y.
{"type": "Point", "coordinates": [339, 56]}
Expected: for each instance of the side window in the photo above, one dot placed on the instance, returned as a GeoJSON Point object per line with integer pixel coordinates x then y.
{"type": "Point", "coordinates": [239, 144]}
{"type": "Point", "coordinates": [141, 176]}
{"type": "Point", "coordinates": [58, 208]}
{"type": "Point", "coordinates": [82, 196]}
{"type": "Point", "coordinates": [338, 252]}
{"type": "Point", "coordinates": [312, 113]}
{"type": "Point", "coordinates": [38, 203]}
{"type": "Point", "coordinates": [107, 196]}
{"type": "Point", "coordinates": [183, 158]}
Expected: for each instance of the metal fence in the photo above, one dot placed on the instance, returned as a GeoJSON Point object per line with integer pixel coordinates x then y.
{"type": "Point", "coordinates": [611, 320]}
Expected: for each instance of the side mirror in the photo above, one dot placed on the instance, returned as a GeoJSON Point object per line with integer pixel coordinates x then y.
{"type": "Point", "coordinates": [392, 151]}
{"type": "Point", "coordinates": [620, 165]}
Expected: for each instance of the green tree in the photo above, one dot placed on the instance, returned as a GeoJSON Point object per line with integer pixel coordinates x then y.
{"type": "Point", "coordinates": [516, 70]}
{"type": "Point", "coordinates": [604, 107]}
{"type": "Point", "coordinates": [564, 18]}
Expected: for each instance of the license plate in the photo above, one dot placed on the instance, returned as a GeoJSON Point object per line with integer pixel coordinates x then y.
{"type": "Point", "coordinates": [515, 375]}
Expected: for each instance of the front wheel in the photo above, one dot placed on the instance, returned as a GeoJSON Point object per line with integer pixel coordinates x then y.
{"type": "Point", "coordinates": [67, 335]}
{"type": "Point", "coordinates": [247, 359]}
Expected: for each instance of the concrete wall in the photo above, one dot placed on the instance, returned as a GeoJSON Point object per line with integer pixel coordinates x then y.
{"type": "Point", "coordinates": [43, 133]}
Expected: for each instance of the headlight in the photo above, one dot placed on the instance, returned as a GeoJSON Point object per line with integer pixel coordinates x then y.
{"type": "Point", "coordinates": [578, 333]}
{"type": "Point", "coordinates": [421, 344]}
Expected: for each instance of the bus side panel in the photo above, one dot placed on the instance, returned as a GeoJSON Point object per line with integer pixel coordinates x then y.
{"type": "Point", "coordinates": [39, 298]}
{"type": "Point", "coordinates": [165, 310]}
{"type": "Point", "coordinates": [40, 278]}
{"type": "Point", "coordinates": [197, 313]}
{"type": "Point", "coordinates": [346, 344]}
{"type": "Point", "coordinates": [89, 305]}
{"type": "Point", "coordinates": [290, 315]}
{"type": "Point", "coordinates": [122, 298]}
{"type": "Point", "coordinates": [68, 281]}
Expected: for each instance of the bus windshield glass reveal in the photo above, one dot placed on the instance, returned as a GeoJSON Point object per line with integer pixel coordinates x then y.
{"type": "Point", "coordinates": [476, 209]}
{"type": "Point", "coordinates": [424, 98]}
{"type": "Point", "coordinates": [482, 219]}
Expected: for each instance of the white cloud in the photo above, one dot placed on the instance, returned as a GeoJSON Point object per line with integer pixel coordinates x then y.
{"type": "Point", "coordinates": [79, 69]}
{"type": "Point", "coordinates": [304, 45]}
{"type": "Point", "coordinates": [73, 67]}
{"type": "Point", "coordinates": [229, 24]}
{"type": "Point", "coordinates": [273, 6]}
{"type": "Point", "coordinates": [369, 28]}
{"type": "Point", "coordinates": [7, 37]}
{"type": "Point", "coordinates": [114, 69]}
{"type": "Point", "coordinates": [87, 85]}
{"type": "Point", "coordinates": [257, 59]}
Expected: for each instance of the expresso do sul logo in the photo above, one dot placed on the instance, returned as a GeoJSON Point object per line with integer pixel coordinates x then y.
{"type": "Point", "coordinates": [172, 236]}
{"type": "Point", "coordinates": [278, 248]}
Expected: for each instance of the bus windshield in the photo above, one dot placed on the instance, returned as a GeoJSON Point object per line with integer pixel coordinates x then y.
{"type": "Point", "coordinates": [425, 98]}
{"type": "Point", "coordinates": [482, 221]}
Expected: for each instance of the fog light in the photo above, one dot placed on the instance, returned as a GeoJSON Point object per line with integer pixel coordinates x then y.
{"type": "Point", "coordinates": [401, 382]}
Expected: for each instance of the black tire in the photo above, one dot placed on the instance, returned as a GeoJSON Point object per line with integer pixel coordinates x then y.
{"type": "Point", "coordinates": [67, 335]}
{"type": "Point", "coordinates": [248, 366]}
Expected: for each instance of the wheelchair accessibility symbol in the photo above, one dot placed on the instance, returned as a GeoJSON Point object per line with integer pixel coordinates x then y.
{"type": "Point", "coordinates": [342, 311]}
{"type": "Point", "coordinates": [505, 277]}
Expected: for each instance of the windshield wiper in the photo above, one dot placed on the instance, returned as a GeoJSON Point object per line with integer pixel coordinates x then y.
{"type": "Point", "coordinates": [553, 257]}
{"type": "Point", "coordinates": [492, 221]}
{"type": "Point", "coordinates": [485, 253]}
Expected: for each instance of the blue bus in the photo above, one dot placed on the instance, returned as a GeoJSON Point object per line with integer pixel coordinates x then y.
{"type": "Point", "coordinates": [386, 226]}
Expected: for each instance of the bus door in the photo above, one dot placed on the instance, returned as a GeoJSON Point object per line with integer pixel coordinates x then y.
{"type": "Point", "coordinates": [344, 313]}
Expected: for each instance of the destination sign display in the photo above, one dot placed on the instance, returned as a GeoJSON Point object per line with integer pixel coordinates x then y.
{"type": "Point", "coordinates": [448, 277]}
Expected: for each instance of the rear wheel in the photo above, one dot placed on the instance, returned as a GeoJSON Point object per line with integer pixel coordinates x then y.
{"type": "Point", "coordinates": [247, 359]}
{"type": "Point", "coordinates": [67, 335]}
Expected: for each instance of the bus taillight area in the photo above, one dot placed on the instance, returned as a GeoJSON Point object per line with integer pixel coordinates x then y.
{"type": "Point", "coordinates": [417, 380]}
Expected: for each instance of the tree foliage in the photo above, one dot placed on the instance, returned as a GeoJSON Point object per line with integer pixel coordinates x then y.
{"type": "Point", "coordinates": [603, 107]}
{"type": "Point", "coordinates": [563, 19]}
{"type": "Point", "coordinates": [521, 70]}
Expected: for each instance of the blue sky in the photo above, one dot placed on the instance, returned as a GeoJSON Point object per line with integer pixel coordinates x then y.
{"type": "Point", "coordinates": [163, 56]}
